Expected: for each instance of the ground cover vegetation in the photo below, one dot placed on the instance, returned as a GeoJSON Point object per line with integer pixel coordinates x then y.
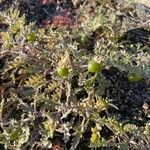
{"type": "Point", "coordinates": [74, 75]}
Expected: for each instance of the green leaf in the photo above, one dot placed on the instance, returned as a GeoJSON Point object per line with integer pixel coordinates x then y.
{"type": "Point", "coordinates": [14, 135]}
{"type": "Point", "coordinates": [2, 139]}
{"type": "Point", "coordinates": [35, 81]}
{"type": "Point", "coordinates": [76, 140]}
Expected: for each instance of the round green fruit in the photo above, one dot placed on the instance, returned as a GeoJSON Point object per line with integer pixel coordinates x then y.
{"type": "Point", "coordinates": [84, 39]}
{"type": "Point", "coordinates": [93, 66]}
{"type": "Point", "coordinates": [132, 77]}
{"type": "Point", "coordinates": [63, 71]}
{"type": "Point", "coordinates": [31, 37]}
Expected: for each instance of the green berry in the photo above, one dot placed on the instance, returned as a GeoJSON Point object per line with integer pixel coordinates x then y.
{"type": "Point", "coordinates": [93, 66]}
{"type": "Point", "coordinates": [31, 37]}
{"type": "Point", "coordinates": [63, 71]}
{"type": "Point", "coordinates": [132, 77]}
{"type": "Point", "coordinates": [85, 39]}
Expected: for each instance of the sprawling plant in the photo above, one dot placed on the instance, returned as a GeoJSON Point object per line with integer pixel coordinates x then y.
{"type": "Point", "coordinates": [52, 74]}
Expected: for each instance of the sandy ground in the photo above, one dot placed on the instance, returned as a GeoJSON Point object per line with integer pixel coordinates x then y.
{"type": "Point", "coordinates": [144, 2]}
